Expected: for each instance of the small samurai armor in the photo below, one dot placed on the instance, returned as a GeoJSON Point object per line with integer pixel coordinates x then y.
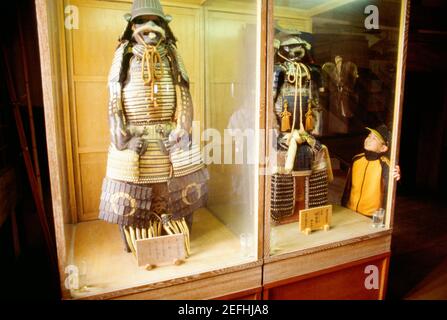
{"type": "Point", "coordinates": [282, 196]}
{"type": "Point", "coordinates": [339, 80]}
{"type": "Point", "coordinates": [296, 84]}
{"type": "Point", "coordinates": [320, 178]}
{"type": "Point", "coordinates": [304, 158]}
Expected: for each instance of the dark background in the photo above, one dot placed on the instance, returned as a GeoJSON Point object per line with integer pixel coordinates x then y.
{"type": "Point", "coordinates": [419, 240]}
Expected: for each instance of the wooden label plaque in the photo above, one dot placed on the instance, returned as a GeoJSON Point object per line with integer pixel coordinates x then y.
{"type": "Point", "coordinates": [161, 250]}
{"type": "Point", "coordinates": [315, 219]}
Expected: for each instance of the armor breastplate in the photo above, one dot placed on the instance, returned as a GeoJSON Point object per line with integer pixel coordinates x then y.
{"type": "Point", "coordinates": [287, 92]}
{"type": "Point", "coordinates": [153, 123]}
{"type": "Point", "coordinates": [138, 105]}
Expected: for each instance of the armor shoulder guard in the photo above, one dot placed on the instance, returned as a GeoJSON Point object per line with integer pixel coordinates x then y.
{"type": "Point", "coordinates": [179, 64]}
{"type": "Point", "coordinates": [328, 67]}
{"type": "Point", "coordinates": [117, 64]}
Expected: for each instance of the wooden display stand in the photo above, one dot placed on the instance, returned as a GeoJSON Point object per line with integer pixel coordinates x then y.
{"type": "Point", "coordinates": [315, 219]}
{"type": "Point", "coordinates": [161, 251]}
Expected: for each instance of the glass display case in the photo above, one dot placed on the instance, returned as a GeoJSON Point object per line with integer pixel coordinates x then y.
{"type": "Point", "coordinates": [335, 79]}
{"type": "Point", "coordinates": [222, 148]}
{"type": "Point", "coordinates": [153, 114]}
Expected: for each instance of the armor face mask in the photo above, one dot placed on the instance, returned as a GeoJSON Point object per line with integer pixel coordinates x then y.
{"type": "Point", "coordinates": [148, 30]}
{"type": "Point", "coordinates": [292, 47]}
{"type": "Point", "coordinates": [294, 53]}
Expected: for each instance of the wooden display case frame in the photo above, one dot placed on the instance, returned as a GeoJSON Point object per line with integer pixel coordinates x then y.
{"type": "Point", "coordinates": [283, 272]}
{"type": "Point", "coordinates": [254, 280]}
{"type": "Point", "coordinates": [240, 281]}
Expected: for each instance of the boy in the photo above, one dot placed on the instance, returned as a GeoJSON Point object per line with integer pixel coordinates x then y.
{"type": "Point", "coordinates": [367, 180]}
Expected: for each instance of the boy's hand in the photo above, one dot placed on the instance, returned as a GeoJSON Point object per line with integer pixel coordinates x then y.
{"type": "Point", "coordinates": [396, 173]}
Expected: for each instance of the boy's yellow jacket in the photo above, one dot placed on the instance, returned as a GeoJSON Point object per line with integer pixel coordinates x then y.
{"type": "Point", "coordinates": [366, 183]}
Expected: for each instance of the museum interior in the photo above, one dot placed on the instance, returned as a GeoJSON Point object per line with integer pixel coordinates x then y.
{"type": "Point", "coordinates": [54, 146]}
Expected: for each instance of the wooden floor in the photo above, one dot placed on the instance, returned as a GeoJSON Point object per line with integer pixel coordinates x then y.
{"type": "Point", "coordinates": [433, 286]}
{"type": "Point", "coordinates": [418, 268]}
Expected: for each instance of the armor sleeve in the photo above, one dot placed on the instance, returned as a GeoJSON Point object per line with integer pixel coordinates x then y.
{"type": "Point", "coordinates": [184, 113]}
{"type": "Point", "coordinates": [277, 80]}
{"type": "Point", "coordinates": [120, 136]}
{"type": "Point", "coordinates": [326, 71]}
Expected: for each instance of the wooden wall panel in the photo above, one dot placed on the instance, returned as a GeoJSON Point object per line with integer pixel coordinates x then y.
{"type": "Point", "coordinates": [95, 41]}
{"type": "Point", "coordinates": [187, 28]}
{"type": "Point", "coordinates": [295, 24]}
{"type": "Point", "coordinates": [92, 167]}
{"type": "Point", "coordinates": [91, 116]}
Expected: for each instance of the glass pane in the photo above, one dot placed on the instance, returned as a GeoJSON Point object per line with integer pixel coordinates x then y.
{"type": "Point", "coordinates": [167, 187]}
{"type": "Point", "coordinates": [334, 91]}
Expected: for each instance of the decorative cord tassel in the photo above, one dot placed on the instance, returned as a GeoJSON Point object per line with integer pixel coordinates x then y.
{"type": "Point", "coordinates": [310, 123]}
{"type": "Point", "coordinates": [285, 118]}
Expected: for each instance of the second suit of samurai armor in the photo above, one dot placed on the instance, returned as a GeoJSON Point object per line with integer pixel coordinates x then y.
{"type": "Point", "coordinates": [303, 170]}
{"type": "Point", "coordinates": [341, 99]}
{"type": "Point", "coordinates": [155, 176]}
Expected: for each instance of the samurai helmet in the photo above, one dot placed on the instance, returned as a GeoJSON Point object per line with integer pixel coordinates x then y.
{"type": "Point", "coordinates": [148, 8]}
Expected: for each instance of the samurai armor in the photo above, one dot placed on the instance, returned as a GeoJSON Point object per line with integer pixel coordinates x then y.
{"type": "Point", "coordinates": [152, 119]}
{"type": "Point", "coordinates": [125, 203]}
{"type": "Point", "coordinates": [130, 171]}
{"type": "Point", "coordinates": [318, 189]}
{"type": "Point", "coordinates": [148, 175]}
{"type": "Point", "coordinates": [186, 161]}
{"type": "Point", "coordinates": [188, 193]}
{"type": "Point", "coordinates": [282, 196]}
{"type": "Point", "coordinates": [147, 7]}
{"type": "Point", "coordinates": [341, 97]}
{"type": "Point", "coordinates": [303, 158]}
{"type": "Point", "coordinates": [320, 178]}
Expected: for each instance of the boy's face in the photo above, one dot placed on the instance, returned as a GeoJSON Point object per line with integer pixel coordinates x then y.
{"type": "Point", "coordinates": [373, 143]}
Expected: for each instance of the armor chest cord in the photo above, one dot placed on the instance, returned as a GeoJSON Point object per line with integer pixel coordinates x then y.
{"type": "Point", "coordinates": [297, 78]}
{"type": "Point", "coordinates": [149, 72]}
